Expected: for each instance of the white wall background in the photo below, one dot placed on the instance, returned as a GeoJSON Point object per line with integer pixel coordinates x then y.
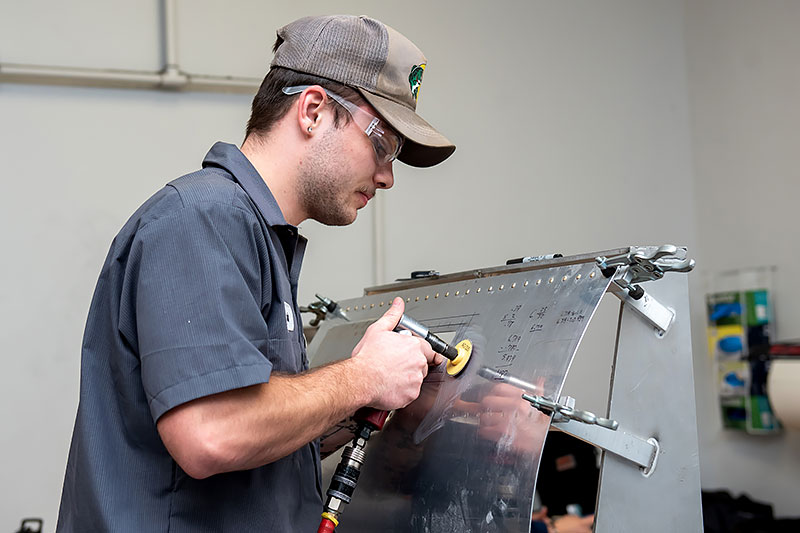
{"type": "Point", "coordinates": [744, 85]}
{"type": "Point", "coordinates": [574, 134]}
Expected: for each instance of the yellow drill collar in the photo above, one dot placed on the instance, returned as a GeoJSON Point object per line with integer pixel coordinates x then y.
{"type": "Point", "coordinates": [457, 365]}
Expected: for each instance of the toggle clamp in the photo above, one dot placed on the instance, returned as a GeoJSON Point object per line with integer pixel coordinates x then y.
{"type": "Point", "coordinates": [584, 425]}
{"type": "Point", "coordinates": [322, 309]}
{"type": "Point", "coordinates": [640, 264]}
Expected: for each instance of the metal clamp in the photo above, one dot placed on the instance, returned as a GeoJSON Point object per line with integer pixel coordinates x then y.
{"type": "Point", "coordinates": [590, 428]}
{"type": "Point", "coordinates": [566, 411]}
{"type": "Point", "coordinates": [321, 309]}
{"type": "Point", "coordinates": [639, 264]}
{"type": "Point", "coordinates": [644, 264]}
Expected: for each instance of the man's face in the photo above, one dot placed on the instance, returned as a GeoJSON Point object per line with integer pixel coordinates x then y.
{"type": "Point", "coordinates": [340, 175]}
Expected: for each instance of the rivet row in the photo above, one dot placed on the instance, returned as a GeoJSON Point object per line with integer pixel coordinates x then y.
{"type": "Point", "coordinates": [491, 288]}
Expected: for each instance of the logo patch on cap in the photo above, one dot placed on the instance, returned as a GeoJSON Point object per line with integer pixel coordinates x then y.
{"type": "Point", "coordinates": [415, 79]}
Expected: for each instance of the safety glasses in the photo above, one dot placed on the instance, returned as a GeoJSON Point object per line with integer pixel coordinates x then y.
{"type": "Point", "coordinates": [387, 144]}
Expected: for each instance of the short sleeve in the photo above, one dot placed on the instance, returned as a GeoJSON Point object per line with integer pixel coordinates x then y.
{"type": "Point", "coordinates": [199, 321]}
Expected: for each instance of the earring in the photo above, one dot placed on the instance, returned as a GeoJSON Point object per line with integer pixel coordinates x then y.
{"type": "Point", "coordinates": [309, 129]}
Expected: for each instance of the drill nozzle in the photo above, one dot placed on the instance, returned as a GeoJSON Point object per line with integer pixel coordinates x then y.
{"type": "Point", "coordinates": [438, 345]}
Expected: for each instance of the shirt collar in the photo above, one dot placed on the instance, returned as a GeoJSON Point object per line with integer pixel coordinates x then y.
{"type": "Point", "coordinates": [229, 157]}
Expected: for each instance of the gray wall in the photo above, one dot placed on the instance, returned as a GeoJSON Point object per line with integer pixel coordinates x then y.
{"type": "Point", "coordinates": [744, 86]}
{"type": "Point", "coordinates": [574, 134]}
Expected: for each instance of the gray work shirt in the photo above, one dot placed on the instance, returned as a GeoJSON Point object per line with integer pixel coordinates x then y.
{"type": "Point", "coordinates": [197, 296]}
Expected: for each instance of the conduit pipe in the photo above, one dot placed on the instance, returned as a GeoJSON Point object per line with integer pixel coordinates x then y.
{"type": "Point", "coordinates": [378, 240]}
{"type": "Point", "coordinates": [170, 30]}
{"type": "Point", "coordinates": [130, 79]}
{"type": "Point", "coordinates": [169, 78]}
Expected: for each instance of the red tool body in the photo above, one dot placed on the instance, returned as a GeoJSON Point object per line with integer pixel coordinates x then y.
{"type": "Point", "coordinates": [344, 479]}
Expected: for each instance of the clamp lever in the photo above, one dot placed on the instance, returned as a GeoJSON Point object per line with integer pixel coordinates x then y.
{"type": "Point", "coordinates": [643, 264]}
{"type": "Point", "coordinates": [566, 411]}
{"type": "Point", "coordinates": [322, 308]}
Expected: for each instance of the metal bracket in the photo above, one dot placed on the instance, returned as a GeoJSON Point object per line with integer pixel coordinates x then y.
{"type": "Point", "coordinates": [600, 432]}
{"type": "Point", "coordinates": [642, 264]}
{"type": "Point", "coordinates": [647, 307]}
{"type": "Point", "coordinates": [643, 452]}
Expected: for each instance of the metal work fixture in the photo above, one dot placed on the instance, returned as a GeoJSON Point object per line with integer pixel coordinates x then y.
{"type": "Point", "coordinates": [442, 464]}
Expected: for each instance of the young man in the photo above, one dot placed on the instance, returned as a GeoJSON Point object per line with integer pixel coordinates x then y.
{"type": "Point", "coordinates": [197, 409]}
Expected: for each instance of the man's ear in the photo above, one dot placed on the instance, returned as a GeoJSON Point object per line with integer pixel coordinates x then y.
{"type": "Point", "coordinates": [310, 105]}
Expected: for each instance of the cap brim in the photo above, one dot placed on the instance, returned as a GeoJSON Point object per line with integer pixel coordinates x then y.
{"type": "Point", "coordinates": [423, 145]}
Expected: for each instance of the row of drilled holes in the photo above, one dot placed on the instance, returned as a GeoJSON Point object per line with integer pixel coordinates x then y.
{"type": "Point", "coordinates": [467, 291]}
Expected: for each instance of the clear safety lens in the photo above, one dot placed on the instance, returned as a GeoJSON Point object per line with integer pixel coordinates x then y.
{"type": "Point", "coordinates": [386, 143]}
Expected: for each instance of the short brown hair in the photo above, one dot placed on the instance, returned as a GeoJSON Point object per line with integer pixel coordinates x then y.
{"type": "Point", "coordinates": [270, 104]}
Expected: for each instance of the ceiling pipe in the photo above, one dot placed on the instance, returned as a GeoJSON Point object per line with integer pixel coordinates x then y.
{"type": "Point", "coordinates": [169, 78]}
{"type": "Point", "coordinates": [130, 79]}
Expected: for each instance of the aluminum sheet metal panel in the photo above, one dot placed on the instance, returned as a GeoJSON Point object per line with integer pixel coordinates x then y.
{"type": "Point", "coordinates": [464, 456]}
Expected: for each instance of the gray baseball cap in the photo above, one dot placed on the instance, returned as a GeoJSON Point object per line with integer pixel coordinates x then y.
{"type": "Point", "coordinates": [376, 60]}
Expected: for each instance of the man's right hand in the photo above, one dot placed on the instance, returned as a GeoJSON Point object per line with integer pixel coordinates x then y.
{"type": "Point", "coordinates": [252, 426]}
{"type": "Point", "coordinates": [393, 365]}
